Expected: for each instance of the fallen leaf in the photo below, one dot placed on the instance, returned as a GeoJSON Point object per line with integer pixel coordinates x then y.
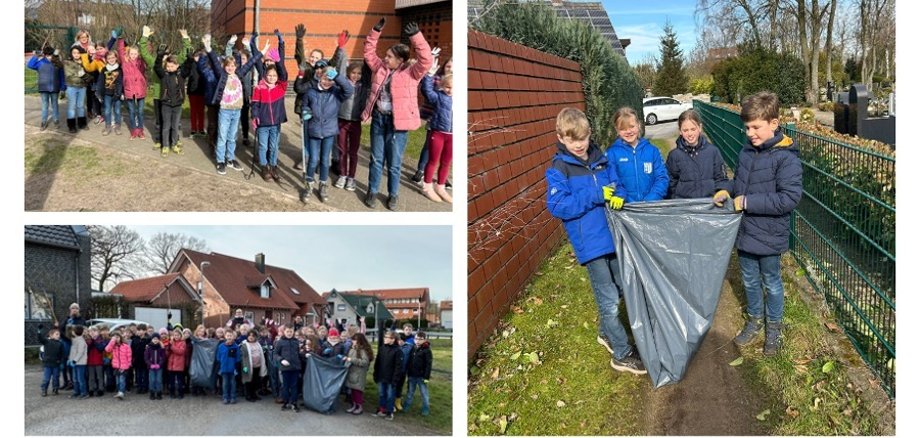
{"type": "Point", "coordinates": [550, 323]}
{"type": "Point", "coordinates": [816, 403]}
{"type": "Point", "coordinates": [763, 415]}
{"type": "Point", "coordinates": [583, 279]}
{"type": "Point", "coordinates": [533, 357]}
{"type": "Point", "coordinates": [566, 306]}
{"type": "Point", "coordinates": [515, 356]}
{"type": "Point", "coordinates": [512, 417]}
{"type": "Point", "coordinates": [848, 412]}
{"type": "Point", "coordinates": [560, 404]}
{"type": "Point", "coordinates": [505, 333]}
{"type": "Point", "coordinates": [832, 327]}
{"type": "Point", "coordinates": [484, 417]}
{"type": "Point", "coordinates": [502, 424]}
{"type": "Point", "coordinates": [517, 310]}
{"type": "Point", "coordinates": [534, 396]}
{"type": "Point", "coordinates": [792, 412]}
{"type": "Point", "coordinates": [828, 367]}
{"type": "Point", "coordinates": [736, 362]}
{"type": "Point", "coordinates": [800, 369]}
{"type": "Point", "coordinates": [495, 374]}
{"type": "Point", "coordinates": [538, 301]}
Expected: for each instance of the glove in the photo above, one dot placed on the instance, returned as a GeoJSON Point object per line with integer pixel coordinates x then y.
{"type": "Point", "coordinates": [255, 123]}
{"type": "Point", "coordinates": [245, 369]}
{"type": "Point", "coordinates": [146, 32]}
{"type": "Point", "coordinates": [379, 26]}
{"type": "Point", "coordinates": [154, 366]}
{"type": "Point", "coordinates": [115, 33]}
{"type": "Point", "coordinates": [331, 73]}
{"type": "Point", "coordinates": [70, 363]}
{"type": "Point", "coordinates": [307, 116]}
{"type": "Point", "coordinates": [284, 362]}
{"type": "Point", "coordinates": [740, 203]}
{"type": "Point", "coordinates": [435, 52]}
{"type": "Point", "coordinates": [300, 30]}
{"type": "Point", "coordinates": [280, 38]}
{"type": "Point", "coordinates": [343, 38]}
{"type": "Point", "coordinates": [233, 39]}
{"type": "Point", "coordinates": [426, 381]}
{"type": "Point", "coordinates": [720, 197]}
{"type": "Point", "coordinates": [327, 351]}
{"type": "Point", "coordinates": [411, 28]}
{"type": "Point", "coordinates": [610, 196]}
{"type": "Point", "coordinates": [339, 356]}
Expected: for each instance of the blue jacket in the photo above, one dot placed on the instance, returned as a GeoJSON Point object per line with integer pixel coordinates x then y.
{"type": "Point", "coordinates": [207, 80]}
{"type": "Point", "coordinates": [574, 194]}
{"type": "Point", "coordinates": [324, 105]}
{"type": "Point", "coordinates": [50, 77]}
{"type": "Point", "coordinates": [770, 178]}
{"type": "Point", "coordinates": [441, 120]}
{"type": "Point", "coordinates": [641, 170]}
{"type": "Point", "coordinates": [228, 356]}
{"type": "Point", "coordinates": [696, 172]}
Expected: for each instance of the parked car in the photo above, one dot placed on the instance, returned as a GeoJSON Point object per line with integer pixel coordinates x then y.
{"type": "Point", "coordinates": [657, 109]}
{"type": "Point", "coordinates": [113, 323]}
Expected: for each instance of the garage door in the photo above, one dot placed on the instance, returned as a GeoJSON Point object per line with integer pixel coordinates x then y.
{"type": "Point", "coordinates": [157, 316]}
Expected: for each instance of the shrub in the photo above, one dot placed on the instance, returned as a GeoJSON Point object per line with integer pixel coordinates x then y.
{"type": "Point", "coordinates": [759, 69]}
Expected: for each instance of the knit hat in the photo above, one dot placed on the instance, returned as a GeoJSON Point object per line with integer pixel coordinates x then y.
{"type": "Point", "coordinates": [163, 331]}
{"type": "Point", "coordinates": [273, 54]}
{"type": "Point", "coordinates": [332, 332]}
{"type": "Point", "coordinates": [155, 336]}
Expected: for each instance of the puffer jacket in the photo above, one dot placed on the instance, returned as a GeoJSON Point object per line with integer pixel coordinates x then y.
{"type": "Point", "coordinates": [267, 104]}
{"type": "Point", "coordinates": [121, 354]}
{"type": "Point", "coordinates": [357, 370]}
{"type": "Point", "coordinates": [352, 107]}
{"type": "Point", "coordinates": [53, 355]}
{"type": "Point", "coordinates": [324, 106]}
{"type": "Point", "coordinates": [420, 361]}
{"type": "Point", "coordinates": [770, 178]}
{"type": "Point", "coordinates": [388, 366]}
{"type": "Point", "coordinates": [228, 356]}
{"type": "Point", "coordinates": [74, 73]}
{"type": "Point", "coordinates": [441, 119]}
{"type": "Point", "coordinates": [78, 350]}
{"type": "Point", "coordinates": [172, 85]}
{"type": "Point", "coordinates": [403, 85]}
{"type": "Point", "coordinates": [305, 76]}
{"type": "Point", "coordinates": [695, 172]}
{"type": "Point", "coordinates": [641, 170]}
{"type": "Point", "coordinates": [155, 354]}
{"type": "Point", "coordinates": [177, 353]}
{"type": "Point", "coordinates": [221, 76]}
{"type": "Point", "coordinates": [287, 349]}
{"type": "Point", "coordinates": [138, 346]}
{"type": "Point", "coordinates": [575, 195]}
{"type": "Point", "coordinates": [50, 77]}
{"type": "Point", "coordinates": [110, 82]}
{"type": "Point", "coordinates": [207, 79]}
{"type": "Point", "coordinates": [135, 73]}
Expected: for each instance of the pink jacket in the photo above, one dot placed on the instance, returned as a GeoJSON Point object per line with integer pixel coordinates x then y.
{"type": "Point", "coordinates": [403, 85]}
{"type": "Point", "coordinates": [175, 361]}
{"type": "Point", "coordinates": [134, 73]}
{"type": "Point", "coordinates": [121, 355]}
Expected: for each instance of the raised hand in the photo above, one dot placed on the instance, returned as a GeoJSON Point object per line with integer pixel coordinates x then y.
{"type": "Point", "coordinates": [184, 34]}
{"type": "Point", "coordinates": [206, 41]}
{"type": "Point", "coordinates": [300, 30]}
{"type": "Point", "coordinates": [233, 39]}
{"type": "Point", "coordinates": [343, 38]}
{"type": "Point", "coordinates": [436, 52]}
{"type": "Point", "coordinates": [146, 31]}
{"type": "Point", "coordinates": [331, 73]}
{"type": "Point", "coordinates": [379, 26]}
{"type": "Point", "coordinates": [280, 38]}
{"type": "Point", "coordinates": [434, 69]}
{"type": "Point", "coordinates": [245, 41]}
{"type": "Point", "coordinates": [411, 28]}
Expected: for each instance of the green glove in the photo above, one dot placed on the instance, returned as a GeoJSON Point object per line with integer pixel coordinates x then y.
{"type": "Point", "coordinates": [426, 381]}
{"type": "Point", "coordinates": [610, 196]}
{"type": "Point", "coordinates": [245, 369]}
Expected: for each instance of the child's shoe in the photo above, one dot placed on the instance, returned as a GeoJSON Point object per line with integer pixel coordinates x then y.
{"type": "Point", "coordinates": [140, 133]}
{"type": "Point", "coordinates": [120, 395]}
{"type": "Point", "coordinates": [72, 126]}
{"type": "Point", "coordinates": [425, 412]}
{"type": "Point", "coordinates": [157, 145]}
{"type": "Point", "coordinates": [118, 129]}
{"type": "Point", "coordinates": [417, 178]}
{"type": "Point", "coordinates": [358, 411]}
{"type": "Point", "coordinates": [750, 331]}
{"type": "Point", "coordinates": [44, 393]}
{"type": "Point", "coordinates": [399, 405]}
{"type": "Point", "coordinates": [106, 130]}
{"type": "Point", "coordinates": [177, 149]}
{"type": "Point", "coordinates": [442, 193]}
{"type": "Point", "coordinates": [153, 395]}
{"type": "Point", "coordinates": [323, 191]}
{"type": "Point", "coordinates": [44, 125]}
{"type": "Point", "coordinates": [380, 413]}
{"type": "Point", "coordinates": [389, 417]}
{"type": "Point", "coordinates": [81, 123]}
{"type": "Point", "coordinates": [772, 342]}
{"type": "Point", "coordinates": [54, 392]}
{"type": "Point", "coordinates": [340, 182]}
{"type": "Point", "coordinates": [429, 193]}
{"type": "Point", "coordinates": [276, 173]}
{"type": "Point", "coordinates": [164, 152]}
{"type": "Point", "coordinates": [352, 408]}
{"type": "Point", "coordinates": [100, 393]}
{"type": "Point", "coordinates": [350, 184]}
{"type": "Point", "coordinates": [296, 408]}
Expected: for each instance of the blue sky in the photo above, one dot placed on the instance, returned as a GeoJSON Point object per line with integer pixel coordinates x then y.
{"type": "Point", "coordinates": [643, 21]}
{"type": "Point", "coordinates": [341, 257]}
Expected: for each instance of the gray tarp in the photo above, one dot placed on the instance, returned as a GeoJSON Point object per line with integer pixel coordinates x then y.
{"type": "Point", "coordinates": [322, 382]}
{"type": "Point", "coordinates": [202, 367]}
{"type": "Point", "coordinates": [672, 256]}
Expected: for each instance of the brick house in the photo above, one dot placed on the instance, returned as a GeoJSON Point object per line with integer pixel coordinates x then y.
{"type": "Point", "coordinates": [402, 303]}
{"type": "Point", "coordinates": [57, 273]}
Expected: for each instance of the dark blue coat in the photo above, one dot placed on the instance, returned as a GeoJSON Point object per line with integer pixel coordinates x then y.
{"type": "Point", "coordinates": [50, 78]}
{"type": "Point", "coordinates": [287, 349]}
{"type": "Point", "coordinates": [574, 194]}
{"type": "Point", "coordinates": [441, 119]}
{"type": "Point", "coordinates": [324, 105]}
{"type": "Point", "coordinates": [641, 170]}
{"type": "Point", "coordinates": [111, 83]}
{"type": "Point", "coordinates": [207, 80]}
{"type": "Point", "coordinates": [770, 178]}
{"type": "Point", "coordinates": [696, 172]}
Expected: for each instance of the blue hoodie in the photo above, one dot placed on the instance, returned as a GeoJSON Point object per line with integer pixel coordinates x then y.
{"type": "Point", "coordinates": [641, 170]}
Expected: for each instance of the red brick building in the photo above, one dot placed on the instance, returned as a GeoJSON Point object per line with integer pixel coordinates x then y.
{"type": "Point", "coordinates": [402, 303]}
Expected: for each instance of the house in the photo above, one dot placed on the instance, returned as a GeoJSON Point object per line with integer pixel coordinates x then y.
{"type": "Point", "coordinates": [162, 299]}
{"type": "Point", "coordinates": [348, 307]}
{"type": "Point", "coordinates": [447, 314]}
{"type": "Point", "coordinates": [432, 314]}
{"type": "Point", "coordinates": [404, 304]}
{"type": "Point", "coordinates": [57, 273]}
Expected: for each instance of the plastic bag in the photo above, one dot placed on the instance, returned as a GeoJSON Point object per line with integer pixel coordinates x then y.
{"type": "Point", "coordinates": [673, 255]}
{"type": "Point", "coordinates": [322, 381]}
{"type": "Point", "coordinates": [202, 365]}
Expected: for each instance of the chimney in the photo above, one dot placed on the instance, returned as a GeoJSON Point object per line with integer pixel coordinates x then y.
{"type": "Point", "coordinates": [260, 262]}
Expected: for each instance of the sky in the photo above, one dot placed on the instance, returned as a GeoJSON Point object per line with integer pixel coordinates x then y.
{"type": "Point", "coordinates": [340, 257]}
{"type": "Point", "coordinates": [643, 22]}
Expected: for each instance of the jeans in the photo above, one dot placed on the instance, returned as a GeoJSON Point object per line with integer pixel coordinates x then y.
{"type": "Point", "coordinates": [349, 143]}
{"type": "Point", "coordinates": [289, 391]}
{"type": "Point", "coordinates": [94, 379]}
{"type": "Point", "coordinates": [386, 144]}
{"type": "Point", "coordinates": [268, 136]}
{"type": "Point", "coordinates": [121, 380]}
{"type": "Point", "coordinates": [79, 380]}
{"type": "Point", "coordinates": [135, 113]}
{"type": "Point", "coordinates": [76, 102]}
{"type": "Point", "coordinates": [423, 387]}
{"type": "Point", "coordinates": [604, 273]}
{"type": "Point", "coordinates": [112, 110]}
{"type": "Point", "coordinates": [229, 386]}
{"type": "Point", "coordinates": [176, 382]}
{"type": "Point", "coordinates": [51, 375]}
{"type": "Point", "coordinates": [319, 148]}
{"type": "Point", "coordinates": [140, 377]}
{"type": "Point", "coordinates": [227, 124]}
{"type": "Point", "coordinates": [423, 155]}
{"type": "Point", "coordinates": [50, 100]}
{"type": "Point", "coordinates": [387, 393]}
{"type": "Point", "coordinates": [156, 380]}
{"type": "Point", "coordinates": [212, 115]}
{"type": "Point", "coordinates": [442, 152]}
{"type": "Point", "coordinates": [170, 134]}
{"type": "Point", "coordinates": [759, 273]}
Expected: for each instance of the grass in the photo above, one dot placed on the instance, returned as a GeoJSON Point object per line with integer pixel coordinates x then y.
{"type": "Point", "coordinates": [31, 80]}
{"type": "Point", "coordinates": [664, 146]}
{"type": "Point", "coordinates": [51, 155]}
{"type": "Point", "coordinates": [413, 144]}
{"type": "Point", "coordinates": [543, 373]}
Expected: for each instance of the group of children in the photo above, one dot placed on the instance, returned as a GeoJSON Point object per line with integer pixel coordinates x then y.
{"type": "Point", "coordinates": [245, 86]}
{"type": "Point", "coordinates": [265, 359]}
{"type": "Point", "coordinates": [582, 181]}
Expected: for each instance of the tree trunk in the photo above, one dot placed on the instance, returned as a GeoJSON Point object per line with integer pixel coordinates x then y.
{"type": "Point", "coordinates": [829, 46]}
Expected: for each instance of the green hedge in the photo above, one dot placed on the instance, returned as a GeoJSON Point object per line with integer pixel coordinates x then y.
{"type": "Point", "coordinates": [758, 69]}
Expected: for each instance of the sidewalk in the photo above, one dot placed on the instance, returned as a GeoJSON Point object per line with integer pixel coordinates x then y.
{"type": "Point", "coordinates": [197, 170]}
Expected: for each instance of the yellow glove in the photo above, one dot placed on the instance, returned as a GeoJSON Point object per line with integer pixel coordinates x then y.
{"type": "Point", "coordinates": [720, 197]}
{"type": "Point", "coordinates": [610, 196]}
{"type": "Point", "coordinates": [739, 203]}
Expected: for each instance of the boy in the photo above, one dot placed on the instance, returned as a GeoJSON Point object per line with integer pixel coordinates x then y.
{"type": "Point", "coordinates": [52, 358]}
{"type": "Point", "coordinates": [579, 181]}
{"type": "Point", "coordinates": [767, 187]}
{"type": "Point", "coordinates": [387, 370]}
{"type": "Point", "coordinates": [419, 371]}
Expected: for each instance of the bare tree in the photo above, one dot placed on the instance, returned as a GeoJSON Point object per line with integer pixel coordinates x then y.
{"type": "Point", "coordinates": [829, 44]}
{"type": "Point", "coordinates": [162, 248]}
{"type": "Point", "coordinates": [115, 253]}
{"type": "Point", "coordinates": [809, 21]}
{"type": "Point", "coordinates": [875, 27]}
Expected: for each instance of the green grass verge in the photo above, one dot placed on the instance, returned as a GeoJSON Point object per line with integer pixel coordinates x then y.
{"type": "Point", "coordinates": [544, 373]}
{"type": "Point", "coordinates": [31, 80]}
{"type": "Point", "coordinates": [413, 144]}
{"type": "Point", "coordinates": [664, 146]}
{"type": "Point", "coordinates": [51, 155]}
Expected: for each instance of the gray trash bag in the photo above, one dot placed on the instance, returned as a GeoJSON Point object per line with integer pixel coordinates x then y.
{"type": "Point", "coordinates": [322, 380]}
{"type": "Point", "coordinates": [673, 255]}
{"type": "Point", "coordinates": [204, 353]}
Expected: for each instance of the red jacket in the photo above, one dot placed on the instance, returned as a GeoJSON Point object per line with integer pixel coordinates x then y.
{"type": "Point", "coordinates": [268, 103]}
{"type": "Point", "coordinates": [121, 355]}
{"type": "Point", "coordinates": [175, 360]}
{"type": "Point", "coordinates": [94, 356]}
{"type": "Point", "coordinates": [134, 73]}
{"type": "Point", "coordinates": [403, 85]}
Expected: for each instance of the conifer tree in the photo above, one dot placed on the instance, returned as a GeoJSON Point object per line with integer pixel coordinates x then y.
{"type": "Point", "coordinates": [672, 74]}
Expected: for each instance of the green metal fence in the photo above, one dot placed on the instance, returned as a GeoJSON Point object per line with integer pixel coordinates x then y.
{"type": "Point", "coordinates": [843, 231]}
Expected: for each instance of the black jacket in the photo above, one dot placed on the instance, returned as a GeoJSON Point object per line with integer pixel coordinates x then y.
{"type": "Point", "coordinates": [696, 172]}
{"type": "Point", "coordinates": [138, 347]}
{"type": "Point", "coordinates": [54, 351]}
{"type": "Point", "coordinates": [388, 364]}
{"type": "Point", "coordinates": [288, 349]}
{"type": "Point", "coordinates": [420, 361]}
{"type": "Point", "coordinates": [172, 85]}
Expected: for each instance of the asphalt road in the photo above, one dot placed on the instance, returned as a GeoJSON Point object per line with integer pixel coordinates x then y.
{"type": "Point", "coordinates": [662, 130]}
{"type": "Point", "coordinates": [201, 415]}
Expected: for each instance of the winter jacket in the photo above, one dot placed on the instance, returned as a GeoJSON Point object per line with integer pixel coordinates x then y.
{"type": "Point", "coordinates": [420, 361]}
{"type": "Point", "coordinates": [110, 82]}
{"type": "Point", "coordinates": [406, 352]}
{"type": "Point", "coordinates": [575, 195]}
{"type": "Point", "coordinates": [403, 85]}
{"type": "Point", "coordinates": [138, 347]}
{"type": "Point", "coordinates": [155, 354]}
{"type": "Point", "coordinates": [287, 349]}
{"type": "Point", "coordinates": [357, 370]}
{"type": "Point", "coordinates": [95, 347]}
{"type": "Point", "coordinates": [135, 73]}
{"type": "Point", "coordinates": [335, 351]}
{"type": "Point", "coordinates": [121, 355]}
{"type": "Point", "coordinates": [78, 350]}
{"type": "Point", "coordinates": [50, 76]}
{"type": "Point", "coordinates": [441, 120]}
{"type": "Point", "coordinates": [217, 69]}
{"type": "Point", "coordinates": [228, 356]}
{"type": "Point", "coordinates": [695, 172]}
{"type": "Point", "coordinates": [194, 84]}
{"type": "Point", "coordinates": [352, 107]}
{"type": "Point", "coordinates": [74, 73]}
{"type": "Point", "coordinates": [207, 79]}
{"type": "Point", "coordinates": [247, 363]}
{"type": "Point", "coordinates": [172, 85]}
{"type": "Point", "coordinates": [267, 105]}
{"type": "Point", "coordinates": [324, 106]}
{"type": "Point", "coordinates": [641, 170]}
{"type": "Point", "coordinates": [53, 355]}
{"type": "Point", "coordinates": [177, 353]}
{"type": "Point", "coordinates": [770, 178]}
{"type": "Point", "coordinates": [306, 75]}
{"type": "Point", "coordinates": [258, 72]}
{"type": "Point", "coordinates": [388, 366]}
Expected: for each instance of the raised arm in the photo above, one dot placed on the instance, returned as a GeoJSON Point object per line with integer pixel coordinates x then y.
{"type": "Point", "coordinates": [142, 46]}
{"type": "Point", "coordinates": [186, 46]}
{"type": "Point", "coordinates": [422, 51]}
{"type": "Point", "coordinates": [300, 30]}
{"type": "Point", "coordinates": [282, 70]}
{"type": "Point", "coordinates": [370, 46]}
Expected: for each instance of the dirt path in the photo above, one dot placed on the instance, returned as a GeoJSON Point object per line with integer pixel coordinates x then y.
{"type": "Point", "coordinates": [713, 398]}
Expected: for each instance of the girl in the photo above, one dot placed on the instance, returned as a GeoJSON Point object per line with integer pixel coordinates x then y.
{"type": "Point", "coordinates": [77, 360]}
{"type": "Point", "coordinates": [287, 354]}
{"type": "Point", "coordinates": [74, 77]}
{"type": "Point", "coordinates": [393, 104]}
{"type": "Point", "coordinates": [195, 92]}
{"type": "Point", "coordinates": [254, 366]}
{"type": "Point", "coordinates": [268, 114]}
{"type": "Point", "coordinates": [228, 354]}
{"type": "Point", "coordinates": [155, 358]}
{"type": "Point", "coordinates": [387, 370]}
{"type": "Point", "coordinates": [176, 366]}
{"type": "Point", "coordinates": [50, 83]}
{"type": "Point", "coordinates": [172, 96]}
{"type": "Point", "coordinates": [321, 109]}
{"type": "Point", "coordinates": [135, 85]}
{"type": "Point", "coordinates": [107, 369]}
{"type": "Point", "coordinates": [84, 41]}
{"type": "Point", "coordinates": [95, 347]}
{"type": "Point", "coordinates": [110, 90]}
{"type": "Point", "coordinates": [350, 123]}
{"type": "Point", "coordinates": [121, 362]}
{"type": "Point", "coordinates": [441, 144]}
{"type": "Point", "coordinates": [426, 113]}
{"type": "Point", "coordinates": [638, 162]}
{"type": "Point", "coordinates": [695, 167]}
{"type": "Point", "coordinates": [359, 359]}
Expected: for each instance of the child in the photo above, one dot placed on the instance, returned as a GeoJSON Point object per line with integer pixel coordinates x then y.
{"type": "Point", "coordinates": [579, 181]}
{"type": "Point", "coordinates": [406, 349]}
{"type": "Point", "coordinates": [107, 369]}
{"type": "Point", "coordinates": [195, 93]}
{"type": "Point", "coordinates": [155, 358]}
{"type": "Point", "coordinates": [387, 370]}
{"type": "Point", "coordinates": [426, 111]}
{"type": "Point", "coordinates": [50, 83]}
{"type": "Point", "coordinates": [268, 113]}
{"type": "Point", "coordinates": [638, 163]}
{"type": "Point", "coordinates": [321, 109]}
{"type": "Point", "coordinates": [336, 347]}
{"type": "Point", "coordinates": [138, 348]}
{"type": "Point", "coordinates": [110, 91]}
{"type": "Point", "coordinates": [419, 371]}
{"type": "Point", "coordinates": [52, 359]}
{"type": "Point", "coordinates": [94, 347]}
{"type": "Point", "coordinates": [172, 96]}
{"type": "Point", "coordinates": [77, 361]}
{"type": "Point", "coordinates": [359, 359]}
{"type": "Point", "coordinates": [408, 330]}
{"type": "Point", "coordinates": [695, 166]}
{"type": "Point", "coordinates": [767, 187]}
{"type": "Point", "coordinates": [228, 354]}
{"type": "Point", "coordinates": [75, 77]}
{"type": "Point", "coordinates": [287, 355]}
{"type": "Point", "coordinates": [121, 362]}
{"type": "Point", "coordinates": [441, 144]}
{"type": "Point", "coordinates": [176, 365]}
{"type": "Point", "coordinates": [135, 85]}
{"type": "Point", "coordinates": [254, 369]}
{"type": "Point", "coordinates": [350, 123]}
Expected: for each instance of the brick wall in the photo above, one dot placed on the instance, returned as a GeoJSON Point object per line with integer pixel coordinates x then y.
{"type": "Point", "coordinates": [515, 93]}
{"type": "Point", "coordinates": [57, 272]}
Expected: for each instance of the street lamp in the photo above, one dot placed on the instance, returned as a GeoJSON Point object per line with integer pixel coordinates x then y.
{"type": "Point", "coordinates": [201, 266]}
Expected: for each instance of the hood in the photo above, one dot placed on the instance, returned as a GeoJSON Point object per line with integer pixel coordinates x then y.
{"type": "Point", "coordinates": [595, 155]}
{"type": "Point", "coordinates": [779, 141]}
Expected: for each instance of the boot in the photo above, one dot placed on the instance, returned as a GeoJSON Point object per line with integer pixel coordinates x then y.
{"type": "Point", "coordinates": [428, 191]}
{"type": "Point", "coordinates": [72, 126]}
{"type": "Point", "coordinates": [773, 341]}
{"type": "Point", "coordinates": [399, 405]}
{"type": "Point", "coordinates": [753, 326]}
{"type": "Point", "coordinates": [159, 395]}
{"type": "Point", "coordinates": [107, 130]}
{"type": "Point", "coordinates": [54, 392]}
{"type": "Point", "coordinates": [323, 191]}
{"type": "Point", "coordinates": [153, 395]}
{"type": "Point", "coordinates": [118, 129]}
{"type": "Point", "coordinates": [276, 173]}
{"type": "Point", "coordinates": [45, 392]}
{"type": "Point", "coordinates": [81, 123]}
{"type": "Point", "coordinates": [442, 192]}
{"type": "Point", "coordinates": [266, 173]}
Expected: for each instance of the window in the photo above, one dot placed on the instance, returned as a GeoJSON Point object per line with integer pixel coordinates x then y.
{"type": "Point", "coordinates": [38, 306]}
{"type": "Point", "coordinates": [331, 305]}
{"type": "Point", "coordinates": [340, 308]}
{"type": "Point", "coordinates": [296, 292]}
{"type": "Point", "coordinates": [264, 290]}
{"type": "Point", "coordinates": [249, 315]}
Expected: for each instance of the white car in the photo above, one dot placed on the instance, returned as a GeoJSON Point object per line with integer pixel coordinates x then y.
{"type": "Point", "coordinates": [662, 108]}
{"type": "Point", "coordinates": [113, 323]}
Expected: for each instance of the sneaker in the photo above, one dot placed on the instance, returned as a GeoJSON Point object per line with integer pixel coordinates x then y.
{"type": "Point", "coordinates": [380, 413]}
{"type": "Point", "coordinates": [448, 185]}
{"type": "Point", "coordinates": [340, 182]}
{"type": "Point", "coordinates": [43, 127]}
{"type": "Point", "coordinates": [246, 141]}
{"type": "Point", "coordinates": [323, 191]}
{"type": "Point", "coordinates": [772, 341]}
{"type": "Point", "coordinates": [226, 402]}
{"type": "Point", "coordinates": [117, 129]}
{"type": "Point", "coordinates": [120, 395]}
{"type": "Point", "coordinates": [631, 363]}
{"type": "Point", "coordinates": [296, 408]}
{"type": "Point", "coordinates": [222, 168]}
{"type": "Point", "coordinates": [232, 401]}
{"type": "Point", "coordinates": [305, 193]}
{"type": "Point", "coordinates": [417, 178]}
{"type": "Point", "coordinates": [276, 173]}
{"type": "Point", "coordinates": [140, 133]}
{"type": "Point", "coordinates": [389, 417]}
{"type": "Point", "coordinates": [358, 411]}
{"type": "Point", "coordinates": [299, 165]}
{"type": "Point", "coordinates": [177, 149]}
{"type": "Point", "coordinates": [157, 145]}
{"type": "Point", "coordinates": [601, 339]}
{"type": "Point", "coordinates": [99, 119]}
{"type": "Point", "coordinates": [371, 200]}
{"type": "Point", "coordinates": [747, 335]}
{"type": "Point", "coordinates": [44, 393]}
{"type": "Point", "coordinates": [350, 184]}
{"type": "Point", "coordinates": [284, 407]}
{"type": "Point", "coordinates": [351, 408]}
{"type": "Point", "coordinates": [392, 203]}
{"type": "Point", "coordinates": [107, 130]}
{"type": "Point", "coordinates": [235, 165]}
{"type": "Point", "coordinates": [164, 152]}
